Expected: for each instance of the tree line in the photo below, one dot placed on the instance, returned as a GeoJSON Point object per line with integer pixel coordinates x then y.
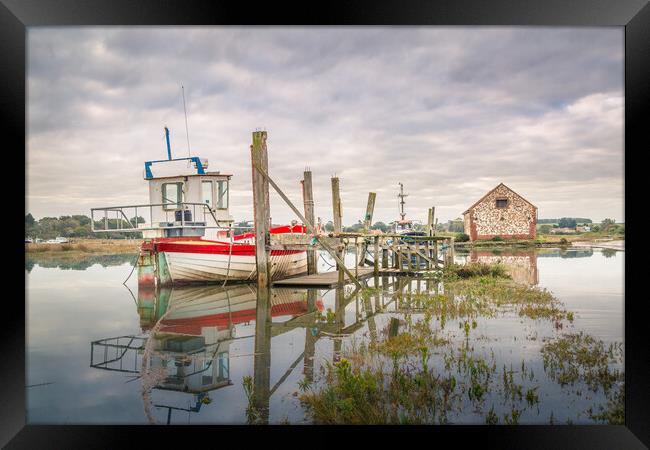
{"type": "Point", "coordinates": [78, 226]}
{"type": "Point", "coordinates": [564, 220]}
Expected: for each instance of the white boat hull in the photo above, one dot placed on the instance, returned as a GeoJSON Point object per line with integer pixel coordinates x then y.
{"type": "Point", "coordinates": [198, 267]}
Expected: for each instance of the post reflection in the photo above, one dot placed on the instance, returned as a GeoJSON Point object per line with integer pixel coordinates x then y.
{"type": "Point", "coordinates": [182, 353]}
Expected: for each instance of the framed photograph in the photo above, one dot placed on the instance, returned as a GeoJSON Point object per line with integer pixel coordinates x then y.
{"type": "Point", "coordinates": [403, 215]}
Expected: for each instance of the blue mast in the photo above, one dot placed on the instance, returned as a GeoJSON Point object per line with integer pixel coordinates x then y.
{"type": "Point", "coordinates": [169, 148]}
{"type": "Point", "coordinates": [195, 159]}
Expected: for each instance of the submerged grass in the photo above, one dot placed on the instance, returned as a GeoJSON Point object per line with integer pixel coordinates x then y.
{"type": "Point", "coordinates": [579, 358]}
{"type": "Point", "coordinates": [391, 380]}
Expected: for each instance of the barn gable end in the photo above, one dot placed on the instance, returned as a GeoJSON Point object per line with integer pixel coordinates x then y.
{"type": "Point", "coordinates": [501, 212]}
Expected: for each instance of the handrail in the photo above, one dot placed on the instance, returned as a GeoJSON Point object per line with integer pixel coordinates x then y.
{"type": "Point", "coordinates": [121, 218]}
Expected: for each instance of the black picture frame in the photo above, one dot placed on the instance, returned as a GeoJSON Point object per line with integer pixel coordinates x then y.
{"type": "Point", "coordinates": [634, 15]}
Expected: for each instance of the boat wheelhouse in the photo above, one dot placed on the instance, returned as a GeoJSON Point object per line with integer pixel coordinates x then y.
{"type": "Point", "coordinates": [188, 229]}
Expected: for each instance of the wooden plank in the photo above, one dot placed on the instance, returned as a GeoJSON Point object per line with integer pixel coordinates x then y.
{"type": "Point", "coordinates": [326, 279]}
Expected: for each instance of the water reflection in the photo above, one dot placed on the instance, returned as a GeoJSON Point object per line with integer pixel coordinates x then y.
{"type": "Point", "coordinates": [195, 347]}
{"type": "Point", "coordinates": [186, 334]}
{"type": "Point", "coordinates": [520, 265]}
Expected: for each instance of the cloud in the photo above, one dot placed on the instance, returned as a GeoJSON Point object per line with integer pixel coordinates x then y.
{"type": "Point", "coordinates": [448, 111]}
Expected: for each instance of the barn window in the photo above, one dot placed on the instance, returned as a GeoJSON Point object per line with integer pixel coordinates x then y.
{"type": "Point", "coordinates": [502, 203]}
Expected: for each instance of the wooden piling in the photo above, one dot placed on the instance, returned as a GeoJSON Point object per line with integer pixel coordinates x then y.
{"type": "Point", "coordinates": [261, 215]}
{"type": "Point", "coordinates": [308, 200]}
{"type": "Point", "coordinates": [367, 223]}
{"type": "Point", "coordinates": [384, 258]}
{"type": "Point", "coordinates": [337, 212]}
{"type": "Point", "coordinates": [370, 208]}
{"type": "Point", "coordinates": [376, 258]}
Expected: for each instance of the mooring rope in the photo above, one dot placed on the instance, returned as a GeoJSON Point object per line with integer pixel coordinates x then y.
{"type": "Point", "coordinates": [229, 257]}
{"type": "Point", "coordinates": [132, 269]}
{"type": "Point", "coordinates": [321, 256]}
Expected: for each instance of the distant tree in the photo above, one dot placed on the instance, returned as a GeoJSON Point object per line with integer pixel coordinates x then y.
{"type": "Point", "coordinates": [595, 228]}
{"type": "Point", "coordinates": [30, 225]}
{"type": "Point", "coordinates": [29, 220]}
{"type": "Point", "coordinates": [380, 226]}
{"type": "Point", "coordinates": [354, 228]}
{"type": "Point", "coordinates": [567, 222]}
{"type": "Point", "coordinates": [456, 226]}
{"type": "Point", "coordinates": [545, 229]}
{"type": "Point", "coordinates": [242, 227]}
{"type": "Point", "coordinates": [606, 224]}
{"type": "Point", "coordinates": [329, 226]}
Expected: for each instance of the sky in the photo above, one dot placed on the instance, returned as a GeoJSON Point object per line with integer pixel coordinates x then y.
{"type": "Point", "coordinates": [450, 112]}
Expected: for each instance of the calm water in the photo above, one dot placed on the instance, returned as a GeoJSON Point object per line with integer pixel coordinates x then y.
{"type": "Point", "coordinates": [88, 336]}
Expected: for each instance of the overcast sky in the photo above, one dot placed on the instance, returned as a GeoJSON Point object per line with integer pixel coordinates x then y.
{"type": "Point", "coordinates": [448, 111]}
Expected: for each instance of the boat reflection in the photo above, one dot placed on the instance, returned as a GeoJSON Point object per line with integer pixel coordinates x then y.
{"type": "Point", "coordinates": [183, 350]}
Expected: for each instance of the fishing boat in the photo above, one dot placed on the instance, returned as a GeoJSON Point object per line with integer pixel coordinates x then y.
{"type": "Point", "coordinates": [188, 231]}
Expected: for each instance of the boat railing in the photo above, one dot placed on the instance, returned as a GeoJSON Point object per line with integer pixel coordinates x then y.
{"type": "Point", "coordinates": [133, 218]}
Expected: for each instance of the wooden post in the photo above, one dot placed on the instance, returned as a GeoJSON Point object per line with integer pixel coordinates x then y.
{"type": "Point", "coordinates": [430, 223]}
{"type": "Point", "coordinates": [309, 226]}
{"type": "Point", "coordinates": [417, 255]}
{"type": "Point", "coordinates": [367, 223]}
{"type": "Point", "coordinates": [435, 252]}
{"type": "Point", "coordinates": [376, 258]}
{"type": "Point", "coordinates": [337, 212]}
{"type": "Point", "coordinates": [408, 256]}
{"type": "Point", "coordinates": [427, 250]}
{"type": "Point", "coordinates": [370, 208]}
{"type": "Point", "coordinates": [430, 228]}
{"type": "Point", "coordinates": [452, 249]}
{"type": "Point", "coordinates": [261, 216]}
{"type": "Point", "coordinates": [356, 257]}
{"type": "Point", "coordinates": [308, 199]}
{"type": "Point", "coordinates": [384, 258]}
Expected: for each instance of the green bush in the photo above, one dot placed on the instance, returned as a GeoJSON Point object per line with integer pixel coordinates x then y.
{"type": "Point", "coordinates": [497, 238]}
{"type": "Point", "coordinates": [461, 237]}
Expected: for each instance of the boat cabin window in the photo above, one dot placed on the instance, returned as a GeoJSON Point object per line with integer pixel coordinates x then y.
{"type": "Point", "coordinates": [172, 195]}
{"type": "Point", "coordinates": [222, 194]}
{"type": "Point", "coordinates": [206, 192]}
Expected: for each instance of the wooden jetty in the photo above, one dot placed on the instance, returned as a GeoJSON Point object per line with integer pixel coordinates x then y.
{"type": "Point", "coordinates": [392, 254]}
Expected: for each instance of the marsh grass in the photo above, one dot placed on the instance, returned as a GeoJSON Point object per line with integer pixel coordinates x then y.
{"type": "Point", "coordinates": [420, 375]}
{"type": "Point", "coordinates": [580, 358]}
{"type": "Point", "coordinates": [95, 246]}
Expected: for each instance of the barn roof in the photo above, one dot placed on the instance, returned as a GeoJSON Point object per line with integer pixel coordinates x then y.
{"type": "Point", "coordinates": [494, 189]}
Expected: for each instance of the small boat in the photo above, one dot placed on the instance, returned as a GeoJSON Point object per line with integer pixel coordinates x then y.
{"type": "Point", "coordinates": [188, 230]}
{"type": "Point", "coordinates": [199, 260]}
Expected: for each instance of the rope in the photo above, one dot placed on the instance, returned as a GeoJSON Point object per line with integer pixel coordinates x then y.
{"type": "Point", "coordinates": [229, 257]}
{"type": "Point", "coordinates": [321, 256]}
{"type": "Point", "coordinates": [132, 269]}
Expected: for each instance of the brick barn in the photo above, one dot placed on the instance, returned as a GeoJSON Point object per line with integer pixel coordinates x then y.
{"type": "Point", "coordinates": [501, 212]}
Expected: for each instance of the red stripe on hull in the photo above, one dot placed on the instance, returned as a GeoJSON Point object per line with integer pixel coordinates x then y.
{"type": "Point", "coordinates": [216, 249]}
{"type": "Point", "coordinates": [194, 325]}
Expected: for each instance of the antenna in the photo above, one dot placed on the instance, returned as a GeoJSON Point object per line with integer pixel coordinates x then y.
{"type": "Point", "coordinates": [401, 196]}
{"type": "Point", "coordinates": [187, 132]}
